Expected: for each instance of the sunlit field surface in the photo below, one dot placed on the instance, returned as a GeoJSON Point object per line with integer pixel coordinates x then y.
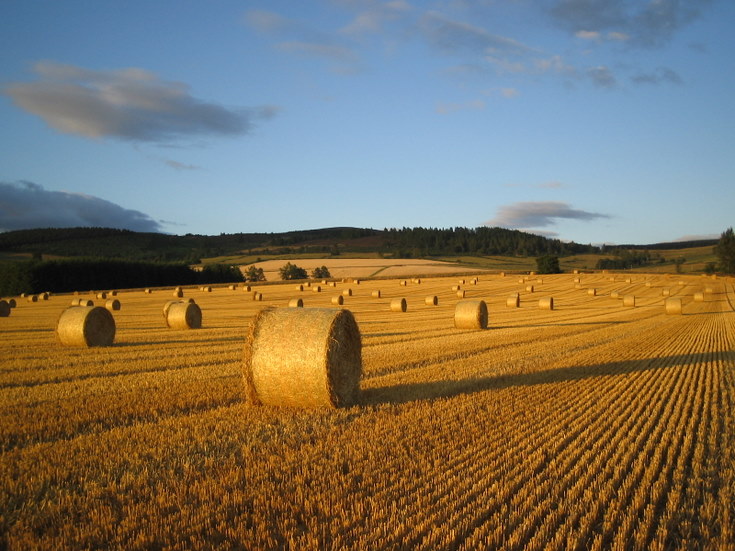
{"type": "Point", "coordinates": [592, 426]}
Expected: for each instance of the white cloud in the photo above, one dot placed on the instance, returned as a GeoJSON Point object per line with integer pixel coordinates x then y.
{"type": "Point", "coordinates": [539, 214]}
{"type": "Point", "coordinates": [26, 205]}
{"type": "Point", "coordinates": [129, 104]}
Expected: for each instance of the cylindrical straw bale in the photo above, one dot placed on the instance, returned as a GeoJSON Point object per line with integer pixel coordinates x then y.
{"type": "Point", "coordinates": [233, 287]}
{"type": "Point", "coordinates": [113, 293]}
{"type": "Point", "coordinates": [167, 306]}
{"type": "Point", "coordinates": [33, 298]}
{"type": "Point", "coordinates": [184, 315]}
{"type": "Point", "coordinates": [648, 283]}
{"type": "Point", "coordinates": [4, 309]}
{"type": "Point", "coordinates": [178, 293]}
{"type": "Point", "coordinates": [43, 296]}
{"type": "Point", "coordinates": [417, 281]}
{"type": "Point", "coordinates": [82, 302]}
{"type": "Point", "coordinates": [473, 281]}
{"type": "Point", "coordinates": [102, 295]}
{"type": "Point", "coordinates": [502, 274]}
{"type": "Point", "coordinates": [708, 290]}
{"type": "Point", "coordinates": [629, 300]}
{"type": "Point", "coordinates": [521, 280]}
{"type": "Point", "coordinates": [257, 296]}
{"type": "Point", "coordinates": [456, 287]}
{"type": "Point", "coordinates": [357, 282]}
{"type": "Point", "coordinates": [207, 289]}
{"type": "Point", "coordinates": [432, 300]}
{"type": "Point", "coordinates": [296, 303]}
{"type": "Point", "coordinates": [247, 288]}
{"type": "Point", "coordinates": [546, 303]}
{"type": "Point", "coordinates": [148, 291]}
{"type": "Point", "coordinates": [347, 292]}
{"type": "Point", "coordinates": [23, 295]}
{"type": "Point", "coordinates": [592, 292]}
{"type": "Point", "coordinates": [628, 280]}
{"type": "Point", "coordinates": [299, 287]}
{"type": "Point", "coordinates": [615, 294]}
{"type": "Point", "coordinates": [699, 297]}
{"type": "Point", "coordinates": [665, 292]}
{"type": "Point", "coordinates": [112, 304]}
{"type": "Point", "coordinates": [576, 271]}
{"type": "Point", "coordinates": [460, 294]}
{"type": "Point", "coordinates": [338, 300]}
{"type": "Point", "coordinates": [470, 314]}
{"type": "Point", "coordinates": [577, 280]}
{"type": "Point", "coordinates": [404, 283]}
{"type": "Point", "coordinates": [532, 273]}
{"type": "Point", "coordinates": [398, 305]}
{"type": "Point", "coordinates": [332, 283]}
{"type": "Point", "coordinates": [86, 326]}
{"type": "Point", "coordinates": [513, 301]}
{"type": "Point", "coordinates": [375, 294]}
{"type": "Point", "coordinates": [316, 289]}
{"type": "Point", "coordinates": [303, 357]}
{"type": "Point", "coordinates": [673, 305]}
{"type": "Point", "coordinates": [461, 282]}
{"type": "Point", "coordinates": [529, 288]}
{"type": "Point", "coordinates": [577, 285]}
{"type": "Point", "coordinates": [12, 303]}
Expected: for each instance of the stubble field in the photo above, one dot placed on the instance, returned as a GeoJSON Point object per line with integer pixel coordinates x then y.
{"type": "Point", "coordinates": [591, 426]}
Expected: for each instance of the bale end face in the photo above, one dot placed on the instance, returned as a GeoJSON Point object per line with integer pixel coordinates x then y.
{"type": "Point", "coordinates": [86, 326]}
{"type": "Point", "coordinates": [307, 357]}
{"type": "Point", "coordinates": [470, 314]}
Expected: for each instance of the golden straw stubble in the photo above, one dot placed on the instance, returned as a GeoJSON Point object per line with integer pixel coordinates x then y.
{"type": "Point", "coordinates": [470, 314]}
{"type": "Point", "coordinates": [303, 357]}
{"type": "Point", "coordinates": [86, 326]}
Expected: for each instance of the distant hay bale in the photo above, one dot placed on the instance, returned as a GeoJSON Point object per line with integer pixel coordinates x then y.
{"type": "Point", "coordinates": [456, 287]}
{"type": "Point", "coordinates": [257, 297]}
{"type": "Point", "coordinates": [233, 287]}
{"type": "Point", "coordinates": [470, 314]}
{"type": "Point", "coordinates": [592, 292]}
{"type": "Point", "coordinates": [43, 296]}
{"type": "Point", "coordinates": [375, 294]}
{"type": "Point", "coordinates": [404, 283]}
{"type": "Point", "coordinates": [303, 357]}
{"type": "Point", "coordinates": [529, 288]}
{"type": "Point", "coordinates": [460, 294]}
{"type": "Point", "coordinates": [178, 293]}
{"type": "Point", "coordinates": [629, 300]}
{"type": "Point", "coordinates": [299, 287]}
{"type": "Point", "coordinates": [521, 280]}
{"type": "Point", "coordinates": [316, 289]}
{"type": "Point", "coordinates": [577, 280]}
{"type": "Point", "coordinates": [86, 326]}
{"type": "Point", "coordinates": [709, 290]}
{"type": "Point", "coordinates": [4, 309]}
{"type": "Point", "coordinates": [576, 271]}
{"type": "Point", "coordinates": [247, 288]}
{"type": "Point", "coordinates": [296, 303]}
{"type": "Point", "coordinates": [699, 297]}
{"type": "Point", "coordinates": [347, 292]}
{"type": "Point", "coordinates": [628, 280]}
{"type": "Point", "coordinates": [24, 295]}
{"type": "Point", "coordinates": [681, 283]}
{"type": "Point", "coordinates": [461, 282]}
{"type": "Point", "coordinates": [324, 281]}
{"type": "Point", "coordinates": [207, 289]}
{"type": "Point", "coordinates": [532, 273]}
{"type": "Point", "coordinates": [32, 298]}
{"type": "Point", "coordinates": [502, 274]}
{"type": "Point", "coordinates": [113, 293]}
{"type": "Point", "coordinates": [431, 300]}
{"type": "Point", "coordinates": [417, 281]}
{"type": "Point", "coordinates": [147, 291]}
{"type": "Point", "coordinates": [184, 315]}
{"type": "Point", "coordinates": [12, 303]}
{"type": "Point", "coordinates": [357, 282]}
{"type": "Point", "coordinates": [102, 295]}
{"type": "Point", "coordinates": [546, 303]}
{"type": "Point", "coordinates": [82, 302]}
{"type": "Point", "coordinates": [615, 294]}
{"type": "Point", "coordinates": [673, 305]}
{"type": "Point", "coordinates": [665, 292]}
{"type": "Point", "coordinates": [398, 305]}
{"type": "Point", "coordinates": [332, 283]}
{"type": "Point", "coordinates": [338, 300]}
{"type": "Point", "coordinates": [112, 304]}
{"type": "Point", "coordinates": [648, 283]}
{"type": "Point", "coordinates": [513, 301]}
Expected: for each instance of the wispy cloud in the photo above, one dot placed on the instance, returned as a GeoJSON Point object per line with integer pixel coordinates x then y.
{"type": "Point", "coordinates": [445, 108]}
{"type": "Point", "coordinates": [539, 214]}
{"type": "Point", "coordinates": [661, 75]}
{"type": "Point", "coordinates": [602, 77]}
{"type": "Point", "coordinates": [128, 104]}
{"type": "Point", "coordinates": [26, 205]}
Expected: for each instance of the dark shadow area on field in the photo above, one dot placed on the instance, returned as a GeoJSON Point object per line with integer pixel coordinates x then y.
{"type": "Point", "coordinates": [402, 393]}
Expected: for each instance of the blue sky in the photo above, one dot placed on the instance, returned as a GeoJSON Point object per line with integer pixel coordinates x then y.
{"type": "Point", "coordinates": [586, 120]}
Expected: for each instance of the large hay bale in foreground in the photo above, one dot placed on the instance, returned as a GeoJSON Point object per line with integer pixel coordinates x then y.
{"type": "Point", "coordinates": [629, 300]}
{"type": "Point", "coordinates": [4, 309]}
{"type": "Point", "coordinates": [431, 300]}
{"type": "Point", "coordinates": [184, 315]}
{"type": "Point", "coordinates": [470, 314]}
{"type": "Point", "coordinates": [86, 326]}
{"type": "Point", "coordinates": [546, 303]}
{"type": "Point", "coordinates": [398, 305]}
{"type": "Point", "coordinates": [112, 305]}
{"type": "Point", "coordinates": [303, 357]}
{"type": "Point", "coordinates": [673, 305]}
{"type": "Point", "coordinates": [296, 303]}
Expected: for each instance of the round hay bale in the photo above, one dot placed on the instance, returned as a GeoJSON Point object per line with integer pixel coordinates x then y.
{"type": "Point", "coordinates": [148, 291]}
{"type": "Point", "coordinates": [615, 294]}
{"type": "Point", "coordinates": [592, 292]}
{"type": "Point", "coordinates": [576, 271]}
{"type": "Point", "coordinates": [233, 287]}
{"type": "Point", "coordinates": [398, 305]}
{"type": "Point", "coordinates": [529, 288]}
{"type": "Point", "coordinates": [513, 301]}
{"type": "Point", "coordinates": [357, 282]}
{"type": "Point", "coordinates": [184, 315]}
{"type": "Point", "coordinates": [546, 303]}
{"type": "Point", "coordinates": [113, 293]}
{"type": "Point", "coordinates": [86, 326]}
{"type": "Point", "coordinates": [521, 280]}
{"type": "Point", "coordinates": [82, 302]}
{"type": "Point", "coordinates": [12, 303]}
{"type": "Point", "coordinates": [4, 309]}
{"type": "Point", "coordinates": [665, 292]}
{"type": "Point", "coordinates": [461, 282]}
{"type": "Point", "coordinates": [112, 305]}
{"type": "Point", "coordinates": [698, 297]}
{"type": "Point", "coordinates": [167, 306]}
{"type": "Point", "coordinates": [102, 295]}
{"type": "Point", "coordinates": [502, 274]}
{"type": "Point", "coordinates": [207, 289]}
{"type": "Point", "coordinates": [417, 281]}
{"type": "Point", "coordinates": [299, 287]}
{"type": "Point", "coordinates": [473, 281]}
{"type": "Point", "coordinates": [178, 293]}
{"type": "Point", "coordinates": [577, 280]}
{"type": "Point", "coordinates": [347, 292]}
{"type": "Point", "coordinates": [43, 296]}
{"type": "Point", "coordinates": [306, 357]}
{"type": "Point", "coordinates": [682, 283]}
{"type": "Point", "coordinates": [708, 290]}
{"type": "Point", "coordinates": [532, 273]}
{"type": "Point", "coordinates": [258, 297]}
{"type": "Point", "coordinates": [338, 300]}
{"type": "Point", "coordinates": [375, 294]}
{"type": "Point", "coordinates": [33, 298]}
{"type": "Point", "coordinates": [648, 284]}
{"type": "Point", "coordinates": [247, 288]}
{"type": "Point", "coordinates": [577, 285]}
{"type": "Point", "coordinates": [628, 280]}
{"type": "Point", "coordinates": [404, 283]}
{"type": "Point", "coordinates": [456, 287]}
{"type": "Point", "coordinates": [316, 289]}
{"type": "Point", "coordinates": [23, 295]}
{"type": "Point", "coordinates": [460, 294]}
{"type": "Point", "coordinates": [673, 305]}
{"type": "Point", "coordinates": [432, 300]}
{"type": "Point", "coordinates": [629, 300]}
{"type": "Point", "coordinates": [296, 303]}
{"type": "Point", "coordinates": [470, 314]}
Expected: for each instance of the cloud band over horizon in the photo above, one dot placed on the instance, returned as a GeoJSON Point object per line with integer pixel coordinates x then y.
{"type": "Point", "coordinates": [527, 215]}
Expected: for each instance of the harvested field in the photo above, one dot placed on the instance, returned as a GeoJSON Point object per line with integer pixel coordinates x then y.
{"type": "Point", "coordinates": [590, 426]}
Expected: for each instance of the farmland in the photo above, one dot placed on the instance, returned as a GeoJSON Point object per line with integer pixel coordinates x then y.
{"type": "Point", "coordinates": [589, 426]}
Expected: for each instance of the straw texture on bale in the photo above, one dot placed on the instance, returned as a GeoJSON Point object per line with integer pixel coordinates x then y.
{"type": "Point", "coordinates": [296, 303]}
{"type": "Point", "coordinates": [375, 294]}
{"type": "Point", "coordinates": [339, 300]}
{"type": "Point", "coordinates": [432, 300]}
{"type": "Point", "coordinates": [86, 326]}
{"type": "Point", "coordinates": [4, 309]}
{"type": "Point", "coordinates": [629, 300]}
{"type": "Point", "coordinates": [184, 315]}
{"type": "Point", "coordinates": [470, 314]}
{"type": "Point", "coordinates": [513, 301]}
{"type": "Point", "coordinates": [699, 297]}
{"type": "Point", "coordinates": [347, 292]}
{"type": "Point", "coordinates": [460, 294]}
{"type": "Point", "coordinates": [398, 305]}
{"type": "Point", "coordinates": [665, 292]}
{"type": "Point", "coordinates": [112, 305]}
{"type": "Point", "coordinates": [673, 305]}
{"type": "Point", "coordinates": [306, 357]}
{"type": "Point", "coordinates": [546, 303]}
